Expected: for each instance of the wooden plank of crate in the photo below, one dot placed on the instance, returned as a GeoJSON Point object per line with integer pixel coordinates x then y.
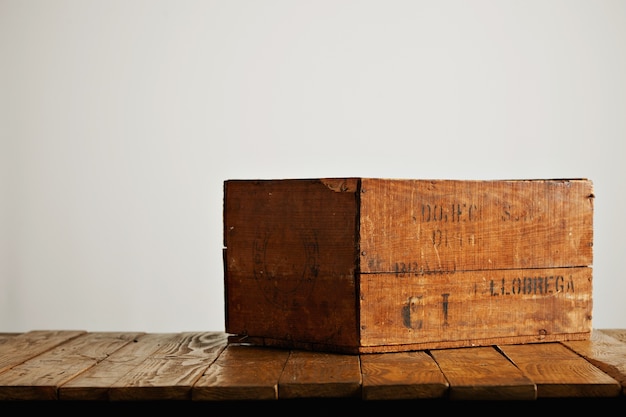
{"type": "Point", "coordinates": [482, 373]}
{"type": "Point", "coordinates": [23, 346]}
{"type": "Point", "coordinates": [242, 372]}
{"type": "Point", "coordinates": [475, 225]}
{"type": "Point", "coordinates": [320, 375]}
{"type": "Point", "coordinates": [170, 372]}
{"type": "Point", "coordinates": [400, 376]}
{"type": "Point", "coordinates": [39, 377]}
{"type": "Point", "coordinates": [560, 373]}
{"type": "Point", "coordinates": [440, 311]}
{"type": "Point", "coordinates": [94, 383]}
{"type": "Point", "coordinates": [605, 352]}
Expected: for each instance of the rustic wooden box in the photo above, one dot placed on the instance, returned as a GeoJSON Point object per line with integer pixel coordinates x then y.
{"type": "Point", "coordinates": [365, 265]}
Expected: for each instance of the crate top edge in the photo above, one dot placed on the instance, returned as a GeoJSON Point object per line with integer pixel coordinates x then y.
{"type": "Point", "coordinates": [406, 179]}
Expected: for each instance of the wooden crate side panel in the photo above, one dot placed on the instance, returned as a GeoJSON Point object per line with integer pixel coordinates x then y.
{"type": "Point", "coordinates": [437, 310]}
{"type": "Point", "coordinates": [290, 260]}
{"type": "Point", "coordinates": [326, 315]}
{"type": "Point", "coordinates": [453, 225]}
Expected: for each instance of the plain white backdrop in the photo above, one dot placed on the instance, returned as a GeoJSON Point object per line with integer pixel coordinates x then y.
{"type": "Point", "coordinates": [120, 120]}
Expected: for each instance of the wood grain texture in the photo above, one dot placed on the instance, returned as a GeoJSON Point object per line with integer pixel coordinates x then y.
{"type": "Point", "coordinates": [290, 260]}
{"type": "Point", "coordinates": [320, 375]}
{"type": "Point", "coordinates": [475, 308]}
{"type": "Point", "coordinates": [6, 336]}
{"type": "Point", "coordinates": [19, 348]}
{"type": "Point", "coordinates": [559, 372]}
{"type": "Point", "coordinates": [483, 373]}
{"type": "Point", "coordinates": [170, 371]}
{"type": "Point", "coordinates": [123, 368]}
{"type": "Point", "coordinates": [454, 225]}
{"type": "Point", "coordinates": [402, 376]}
{"type": "Point", "coordinates": [619, 334]}
{"type": "Point", "coordinates": [242, 373]}
{"type": "Point", "coordinates": [38, 378]}
{"type": "Point", "coordinates": [94, 383]}
{"type": "Point", "coordinates": [372, 265]}
{"type": "Point", "coordinates": [607, 351]}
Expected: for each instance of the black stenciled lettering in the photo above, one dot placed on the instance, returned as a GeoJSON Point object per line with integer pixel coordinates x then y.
{"type": "Point", "coordinates": [533, 285]}
{"type": "Point", "coordinates": [457, 212]}
{"type": "Point", "coordinates": [413, 312]}
{"type": "Point", "coordinates": [527, 285]}
{"type": "Point", "coordinates": [492, 287]}
{"type": "Point", "coordinates": [425, 213]}
{"type": "Point", "coordinates": [506, 212]}
{"type": "Point", "coordinates": [442, 217]}
{"type": "Point", "coordinates": [472, 212]}
{"type": "Point", "coordinates": [523, 213]}
{"type": "Point", "coordinates": [462, 212]}
{"type": "Point", "coordinates": [413, 268]}
{"type": "Point", "coordinates": [516, 288]}
{"type": "Point", "coordinates": [444, 305]}
{"type": "Point", "coordinates": [454, 212]}
{"type": "Point", "coordinates": [437, 237]}
{"type": "Point", "coordinates": [433, 213]}
{"type": "Point", "coordinates": [403, 269]}
{"type": "Point", "coordinates": [539, 286]}
{"type": "Point", "coordinates": [400, 269]}
{"type": "Point", "coordinates": [559, 284]}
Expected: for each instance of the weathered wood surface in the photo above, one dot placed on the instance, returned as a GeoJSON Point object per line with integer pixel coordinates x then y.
{"type": "Point", "coordinates": [483, 373]}
{"type": "Point", "coordinates": [320, 375]}
{"type": "Point", "coordinates": [290, 260]}
{"type": "Point", "coordinates": [371, 265]}
{"type": "Point", "coordinates": [559, 372]}
{"type": "Point", "coordinates": [402, 376]}
{"type": "Point", "coordinates": [607, 351]}
{"type": "Point", "coordinates": [41, 376]}
{"type": "Point", "coordinates": [242, 372]}
{"type": "Point", "coordinates": [95, 383]}
{"type": "Point", "coordinates": [471, 308]}
{"type": "Point", "coordinates": [21, 347]}
{"type": "Point", "coordinates": [170, 372]}
{"type": "Point", "coordinates": [420, 226]}
{"type": "Point", "coordinates": [67, 366]}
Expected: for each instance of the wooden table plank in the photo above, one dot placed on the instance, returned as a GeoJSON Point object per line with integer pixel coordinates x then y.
{"type": "Point", "coordinates": [482, 373]}
{"type": "Point", "coordinates": [401, 376]}
{"type": "Point", "coordinates": [605, 352]}
{"type": "Point", "coordinates": [320, 375]}
{"type": "Point", "coordinates": [242, 373]}
{"type": "Point", "coordinates": [6, 336]}
{"type": "Point", "coordinates": [619, 334]}
{"type": "Point", "coordinates": [19, 348]}
{"type": "Point", "coordinates": [170, 372]}
{"type": "Point", "coordinates": [39, 378]}
{"type": "Point", "coordinates": [94, 383]}
{"type": "Point", "coordinates": [560, 373]}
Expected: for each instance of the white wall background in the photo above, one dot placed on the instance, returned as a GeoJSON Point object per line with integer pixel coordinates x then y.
{"type": "Point", "coordinates": [120, 120]}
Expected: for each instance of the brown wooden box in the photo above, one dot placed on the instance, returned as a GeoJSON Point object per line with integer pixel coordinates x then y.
{"type": "Point", "coordinates": [364, 265]}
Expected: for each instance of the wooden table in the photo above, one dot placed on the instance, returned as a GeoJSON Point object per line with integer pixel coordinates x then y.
{"type": "Point", "coordinates": [204, 369]}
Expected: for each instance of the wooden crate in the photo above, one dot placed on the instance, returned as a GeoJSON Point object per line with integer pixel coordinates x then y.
{"type": "Point", "coordinates": [369, 265]}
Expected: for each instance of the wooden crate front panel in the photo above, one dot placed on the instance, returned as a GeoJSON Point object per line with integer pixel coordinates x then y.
{"type": "Point", "coordinates": [290, 260]}
{"type": "Point", "coordinates": [475, 307]}
{"type": "Point", "coordinates": [422, 226]}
